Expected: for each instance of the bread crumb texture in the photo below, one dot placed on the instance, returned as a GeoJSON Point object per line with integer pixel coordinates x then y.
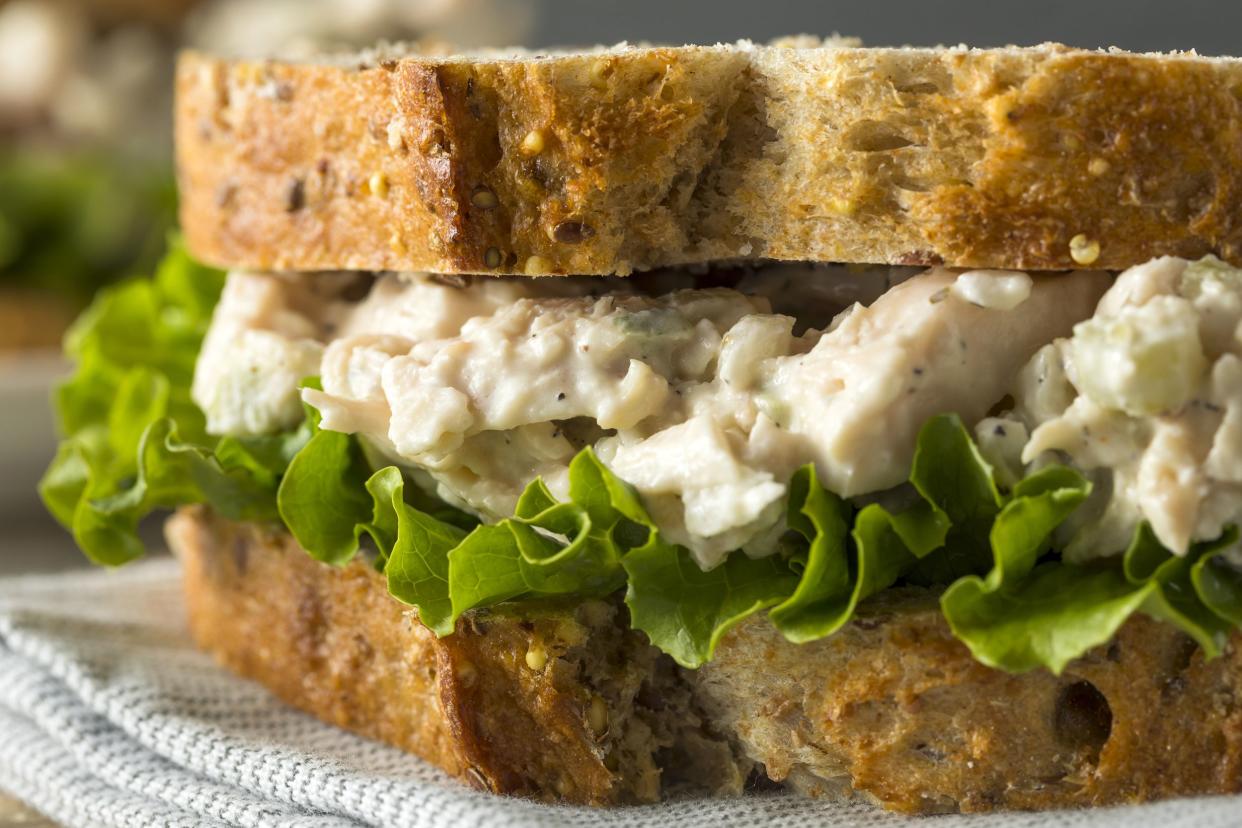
{"type": "Point", "coordinates": [631, 158]}
{"type": "Point", "coordinates": [560, 701]}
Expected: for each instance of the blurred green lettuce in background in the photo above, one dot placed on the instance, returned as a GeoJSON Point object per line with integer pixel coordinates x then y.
{"type": "Point", "coordinates": [70, 222]}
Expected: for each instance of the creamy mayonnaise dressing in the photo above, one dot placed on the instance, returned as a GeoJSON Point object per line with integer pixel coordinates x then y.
{"type": "Point", "coordinates": [265, 337]}
{"type": "Point", "coordinates": [705, 400]}
{"type": "Point", "coordinates": [1146, 396]}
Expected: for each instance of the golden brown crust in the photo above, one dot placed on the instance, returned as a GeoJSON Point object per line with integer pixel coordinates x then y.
{"type": "Point", "coordinates": [895, 708]}
{"type": "Point", "coordinates": [892, 707]}
{"type": "Point", "coordinates": [1146, 151]}
{"type": "Point", "coordinates": [415, 164]}
{"type": "Point", "coordinates": [648, 157]}
{"type": "Point", "coordinates": [331, 641]}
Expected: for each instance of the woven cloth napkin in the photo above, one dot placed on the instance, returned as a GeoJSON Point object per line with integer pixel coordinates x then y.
{"type": "Point", "coordinates": [108, 716]}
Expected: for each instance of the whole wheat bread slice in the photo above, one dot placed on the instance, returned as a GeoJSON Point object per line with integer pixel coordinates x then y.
{"type": "Point", "coordinates": [563, 702]}
{"type": "Point", "coordinates": [630, 158]}
{"type": "Point", "coordinates": [560, 702]}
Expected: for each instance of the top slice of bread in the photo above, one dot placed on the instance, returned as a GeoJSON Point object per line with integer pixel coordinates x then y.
{"type": "Point", "coordinates": [631, 158]}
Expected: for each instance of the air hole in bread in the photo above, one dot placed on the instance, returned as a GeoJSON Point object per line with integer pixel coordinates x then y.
{"type": "Point", "coordinates": [918, 88]}
{"type": "Point", "coordinates": [874, 136]}
{"type": "Point", "coordinates": [910, 185]}
{"type": "Point", "coordinates": [1195, 195]}
{"type": "Point", "coordinates": [1082, 719]}
{"type": "Point", "coordinates": [1180, 661]}
{"type": "Point", "coordinates": [241, 555]}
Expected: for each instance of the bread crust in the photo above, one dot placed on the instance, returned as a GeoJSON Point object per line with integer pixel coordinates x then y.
{"type": "Point", "coordinates": [332, 642]}
{"type": "Point", "coordinates": [892, 707]}
{"type": "Point", "coordinates": [662, 156]}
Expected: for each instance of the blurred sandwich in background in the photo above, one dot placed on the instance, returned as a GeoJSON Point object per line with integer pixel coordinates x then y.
{"type": "Point", "coordinates": [86, 183]}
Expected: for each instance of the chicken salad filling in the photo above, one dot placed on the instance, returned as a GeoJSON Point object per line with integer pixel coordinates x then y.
{"type": "Point", "coordinates": [1049, 453]}
{"type": "Point", "coordinates": [704, 400]}
{"type": "Point", "coordinates": [1146, 397]}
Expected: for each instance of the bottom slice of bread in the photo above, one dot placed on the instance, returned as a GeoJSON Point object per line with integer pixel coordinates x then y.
{"type": "Point", "coordinates": [557, 701]}
{"type": "Point", "coordinates": [895, 707]}
{"type": "Point", "coordinates": [562, 701]}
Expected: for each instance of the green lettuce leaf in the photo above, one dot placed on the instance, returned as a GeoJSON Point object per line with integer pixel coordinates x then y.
{"type": "Point", "coordinates": [842, 566]}
{"type": "Point", "coordinates": [686, 611]}
{"type": "Point", "coordinates": [961, 502]}
{"type": "Point", "coordinates": [1053, 616]}
{"type": "Point", "coordinates": [820, 602]}
{"type": "Point", "coordinates": [323, 497]}
{"type": "Point", "coordinates": [1219, 586]}
{"type": "Point", "coordinates": [417, 553]}
{"type": "Point", "coordinates": [950, 473]}
{"type": "Point", "coordinates": [103, 511]}
{"type": "Point", "coordinates": [1169, 591]}
{"type": "Point", "coordinates": [134, 441]}
{"type": "Point", "coordinates": [550, 548]}
{"type": "Point", "coordinates": [155, 325]}
{"type": "Point", "coordinates": [1026, 614]}
{"type": "Point", "coordinates": [956, 500]}
{"type": "Point", "coordinates": [1018, 618]}
{"type": "Point", "coordinates": [330, 500]}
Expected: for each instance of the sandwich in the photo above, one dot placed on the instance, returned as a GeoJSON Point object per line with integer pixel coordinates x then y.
{"type": "Point", "coordinates": [603, 426]}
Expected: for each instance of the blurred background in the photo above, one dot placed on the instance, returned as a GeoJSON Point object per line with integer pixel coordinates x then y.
{"type": "Point", "coordinates": [86, 185]}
